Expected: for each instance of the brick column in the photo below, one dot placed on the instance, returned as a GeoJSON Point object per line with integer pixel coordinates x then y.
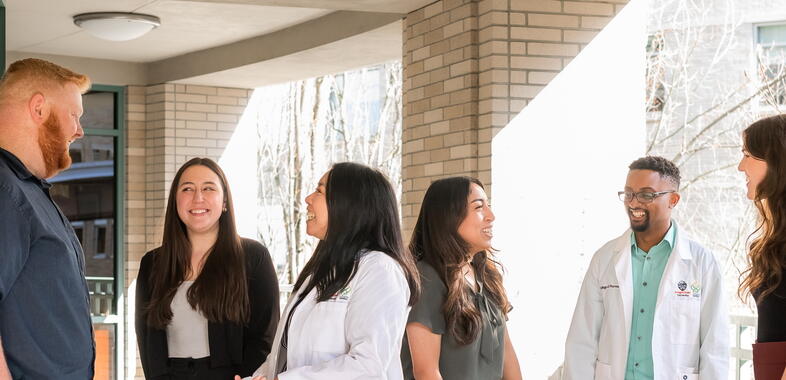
{"type": "Point", "coordinates": [471, 66]}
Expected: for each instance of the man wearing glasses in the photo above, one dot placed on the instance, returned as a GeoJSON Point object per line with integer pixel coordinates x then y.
{"type": "Point", "coordinates": [651, 306]}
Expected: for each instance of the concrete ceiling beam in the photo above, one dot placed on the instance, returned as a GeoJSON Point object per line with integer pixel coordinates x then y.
{"type": "Point", "coordinates": [308, 35]}
{"type": "Point", "coordinates": [383, 6]}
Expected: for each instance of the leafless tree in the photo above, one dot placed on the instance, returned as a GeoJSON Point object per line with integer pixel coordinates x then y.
{"type": "Point", "coordinates": [311, 124]}
{"type": "Point", "coordinates": [706, 81]}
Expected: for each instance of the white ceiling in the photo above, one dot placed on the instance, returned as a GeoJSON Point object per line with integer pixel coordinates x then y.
{"type": "Point", "coordinates": [202, 28]}
{"type": "Point", "coordinates": [46, 27]}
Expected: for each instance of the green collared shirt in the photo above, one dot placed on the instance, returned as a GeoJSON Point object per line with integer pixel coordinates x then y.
{"type": "Point", "coordinates": [648, 269]}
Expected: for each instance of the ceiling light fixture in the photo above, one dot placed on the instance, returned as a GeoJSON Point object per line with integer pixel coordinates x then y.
{"type": "Point", "coordinates": [116, 26]}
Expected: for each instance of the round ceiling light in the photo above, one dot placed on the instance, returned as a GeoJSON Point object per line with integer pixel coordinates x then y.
{"type": "Point", "coordinates": [116, 26]}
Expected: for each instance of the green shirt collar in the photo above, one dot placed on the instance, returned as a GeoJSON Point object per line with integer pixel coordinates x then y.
{"type": "Point", "coordinates": [668, 239]}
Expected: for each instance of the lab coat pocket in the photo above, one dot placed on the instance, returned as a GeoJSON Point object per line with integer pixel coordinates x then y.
{"type": "Point", "coordinates": [688, 374]}
{"type": "Point", "coordinates": [602, 371]}
{"type": "Point", "coordinates": [328, 327]}
{"type": "Point", "coordinates": [685, 315]}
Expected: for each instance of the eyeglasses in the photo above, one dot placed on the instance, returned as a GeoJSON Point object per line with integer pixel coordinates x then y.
{"type": "Point", "coordinates": [642, 197]}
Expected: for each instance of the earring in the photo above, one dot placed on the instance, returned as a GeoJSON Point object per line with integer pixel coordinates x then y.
{"type": "Point", "coordinates": [225, 209]}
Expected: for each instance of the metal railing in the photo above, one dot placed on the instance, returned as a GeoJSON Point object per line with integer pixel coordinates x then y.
{"type": "Point", "coordinates": [102, 295]}
{"type": "Point", "coordinates": [284, 290]}
{"type": "Point", "coordinates": [741, 355]}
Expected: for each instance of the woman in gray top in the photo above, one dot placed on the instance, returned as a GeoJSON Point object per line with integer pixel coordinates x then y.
{"type": "Point", "coordinates": [456, 330]}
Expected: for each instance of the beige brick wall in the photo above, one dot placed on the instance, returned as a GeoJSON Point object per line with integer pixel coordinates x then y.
{"type": "Point", "coordinates": [166, 125]}
{"type": "Point", "coordinates": [469, 67]}
{"type": "Point", "coordinates": [440, 98]}
{"type": "Point", "coordinates": [135, 241]}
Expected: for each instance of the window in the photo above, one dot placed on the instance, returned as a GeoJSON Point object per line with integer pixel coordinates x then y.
{"type": "Point", "coordinates": [90, 194]}
{"type": "Point", "coordinates": [656, 94]}
{"type": "Point", "coordinates": [771, 59]}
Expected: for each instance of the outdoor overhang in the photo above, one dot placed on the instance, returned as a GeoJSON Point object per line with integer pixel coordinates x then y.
{"type": "Point", "coordinates": [230, 43]}
{"type": "Point", "coordinates": [335, 42]}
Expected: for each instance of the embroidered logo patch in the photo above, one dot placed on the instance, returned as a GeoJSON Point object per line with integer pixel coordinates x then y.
{"type": "Point", "coordinates": [682, 285]}
{"type": "Point", "coordinates": [682, 291]}
{"type": "Point", "coordinates": [695, 286]}
{"type": "Point", "coordinates": [341, 295]}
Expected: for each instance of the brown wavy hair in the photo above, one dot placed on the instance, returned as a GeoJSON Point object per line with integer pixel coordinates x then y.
{"type": "Point", "coordinates": [436, 241]}
{"type": "Point", "coordinates": [220, 291]}
{"type": "Point", "coordinates": [766, 140]}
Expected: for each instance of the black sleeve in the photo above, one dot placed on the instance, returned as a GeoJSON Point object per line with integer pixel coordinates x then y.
{"type": "Point", "coordinates": [263, 297]}
{"type": "Point", "coordinates": [152, 353]}
{"type": "Point", "coordinates": [142, 300]}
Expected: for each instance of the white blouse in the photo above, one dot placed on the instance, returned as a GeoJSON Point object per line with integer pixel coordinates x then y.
{"type": "Point", "coordinates": [186, 334]}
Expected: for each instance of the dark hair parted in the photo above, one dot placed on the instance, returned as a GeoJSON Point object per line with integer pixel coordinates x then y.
{"type": "Point", "coordinates": [436, 241]}
{"type": "Point", "coordinates": [362, 215]}
{"type": "Point", "coordinates": [658, 164]}
{"type": "Point", "coordinates": [766, 140]}
{"type": "Point", "coordinates": [220, 291]}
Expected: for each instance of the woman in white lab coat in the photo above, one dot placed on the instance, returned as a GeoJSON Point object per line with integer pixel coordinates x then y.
{"type": "Point", "coordinates": [764, 165]}
{"type": "Point", "coordinates": [349, 306]}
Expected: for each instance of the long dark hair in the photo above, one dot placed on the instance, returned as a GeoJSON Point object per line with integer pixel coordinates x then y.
{"type": "Point", "coordinates": [362, 215]}
{"type": "Point", "coordinates": [766, 140]}
{"type": "Point", "coordinates": [436, 241]}
{"type": "Point", "coordinates": [220, 292]}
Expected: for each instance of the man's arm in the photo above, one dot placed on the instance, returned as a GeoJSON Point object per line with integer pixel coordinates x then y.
{"type": "Point", "coordinates": [5, 373]}
{"type": "Point", "coordinates": [581, 345]}
{"type": "Point", "coordinates": [15, 235]}
{"type": "Point", "coordinates": [714, 326]}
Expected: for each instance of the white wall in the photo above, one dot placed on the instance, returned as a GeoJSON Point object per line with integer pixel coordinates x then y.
{"type": "Point", "coordinates": [556, 168]}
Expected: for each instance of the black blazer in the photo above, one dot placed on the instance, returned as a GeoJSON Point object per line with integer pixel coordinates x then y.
{"type": "Point", "coordinates": [231, 344]}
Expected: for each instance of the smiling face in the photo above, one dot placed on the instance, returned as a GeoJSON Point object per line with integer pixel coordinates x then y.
{"type": "Point", "coordinates": [755, 170]}
{"type": "Point", "coordinates": [200, 200]}
{"type": "Point", "coordinates": [317, 217]}
{"type": "Point", "coordinates": [656, 214]}
{"type": "Point", "coordinates": [477, 227]}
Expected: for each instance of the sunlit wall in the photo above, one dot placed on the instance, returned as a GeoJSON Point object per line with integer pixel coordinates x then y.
{"type": "Point", "coordinates": [556, 168]}
{"type": "Point", "coordinates": [240, 165]}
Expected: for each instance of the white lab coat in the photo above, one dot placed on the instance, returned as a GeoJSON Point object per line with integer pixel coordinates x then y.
{"type": "Point", "coordinates": [355, 335]}
{"type": "Point", "coordinates": [690, 334]}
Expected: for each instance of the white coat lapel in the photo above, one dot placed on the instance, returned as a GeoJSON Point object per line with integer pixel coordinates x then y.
{"type": "Point", "coordinates": [268, 368]}
{"type": "Point", "coordinates": [623, 270]}
{"type": "Point", "coordinates": [674, 270]}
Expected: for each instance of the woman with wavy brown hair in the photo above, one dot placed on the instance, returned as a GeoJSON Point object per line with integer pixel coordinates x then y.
{"type": "Point", "coordinates": [457, 329]}
{"type": "Point", "coordinates": [764, 165]}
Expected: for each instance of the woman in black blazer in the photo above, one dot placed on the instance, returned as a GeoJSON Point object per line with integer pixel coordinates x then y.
{"type": "Point", "coordinates": [207, 301]}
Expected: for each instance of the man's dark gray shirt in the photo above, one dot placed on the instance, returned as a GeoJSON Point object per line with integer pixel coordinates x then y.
{"type": "Point", "coordinates": [45, 324]}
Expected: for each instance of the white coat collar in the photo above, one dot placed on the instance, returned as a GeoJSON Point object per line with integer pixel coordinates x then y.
{"type": "Point", "coordinates": [624, 271]}
{"type": "Point", "coordinates": [681, 244]}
